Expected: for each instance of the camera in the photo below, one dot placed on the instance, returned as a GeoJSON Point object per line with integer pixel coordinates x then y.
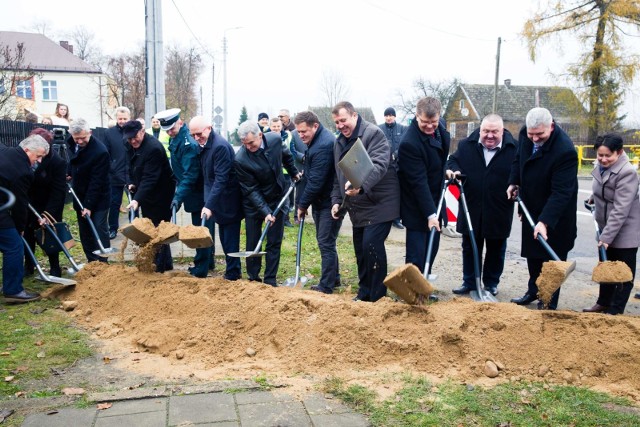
{"type": "Point", "coordinates": [59, 135]}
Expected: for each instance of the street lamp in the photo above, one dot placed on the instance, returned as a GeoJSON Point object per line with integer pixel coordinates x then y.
{"type": "Point", "coordinates": [225, 130]}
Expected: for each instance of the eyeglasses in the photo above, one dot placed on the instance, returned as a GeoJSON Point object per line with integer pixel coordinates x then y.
{"type": "Point", "coordinates": [196, 134]}
{"type": "Point", "coordinates": [281, 117]}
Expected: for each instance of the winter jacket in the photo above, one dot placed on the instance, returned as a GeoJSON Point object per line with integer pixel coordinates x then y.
{"type": "Point", "coordinates": [485, 186]}
{"type": "Point", "coordinates": [49, 188]}
{"type": "Point", "coordinates": [117, 148]}
{"type": "Point", "coordinates": [16, 176]}
{"type": "Point", "coordinates": [89, 169]}
{"type": "Point", "coordinates": [421, 167]}
{"type": "Point", "coordinates": [185, 163]}
{"type": "Point", "coordinates": [319, 171]}
{"type": "Point", "coordinates": [394, 133]}
{"type": "Point", "coordinates": [548, 183]}
{"type": "Point", "coordinates": [379, 200]}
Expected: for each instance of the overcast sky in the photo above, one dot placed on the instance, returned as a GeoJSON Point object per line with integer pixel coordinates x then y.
{"type": "Point", "coordinates": [277, 59]}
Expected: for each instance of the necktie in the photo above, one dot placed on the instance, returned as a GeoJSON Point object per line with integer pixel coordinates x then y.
{"type": "Point", "coordinates": [536, 147]}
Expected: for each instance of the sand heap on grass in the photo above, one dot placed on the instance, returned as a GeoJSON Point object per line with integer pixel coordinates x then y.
{"type": "Point", "coordinates": [239, 328]}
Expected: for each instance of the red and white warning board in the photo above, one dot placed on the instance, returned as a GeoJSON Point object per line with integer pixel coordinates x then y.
{"type": "Point", "coordinates": [451, 197]}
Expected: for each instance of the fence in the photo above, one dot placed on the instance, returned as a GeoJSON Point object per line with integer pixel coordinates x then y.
{"type": "Point", "coordinates": [12, 132]}
{"type": "Point", "coordinates": [587, 155]}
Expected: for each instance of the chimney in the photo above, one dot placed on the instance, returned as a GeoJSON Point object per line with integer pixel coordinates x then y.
{"type": "Point", "coordinates": [507, 83]}
{"type": "Point", "coordinates": [65, 44]}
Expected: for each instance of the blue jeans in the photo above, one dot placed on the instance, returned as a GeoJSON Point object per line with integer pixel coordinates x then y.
{"type": "Point", "coordinates": [493, 265]}
{"type": "Point", "coordinates": [114, 209]}
{"type": "Point", "coordinates": [88, 239]}
{"type": "Point", "coordinates": [275, 233]}
{"type": "Point", "coordinates": [416, 248]}
{"type": "Point", "coordinates": [230, 240]}
{"type": "Point", "coordinates": [327, 230]}
{"type": "Point", "coordinates": [12, 249]}
{"type": "Point", "coordinates": [371, 257]}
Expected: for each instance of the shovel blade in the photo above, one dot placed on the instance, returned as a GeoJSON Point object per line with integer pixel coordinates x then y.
{"type": "Point", "coordinates": [135, 235]}
{"type": "Point", "coordinates": [246, 254]}
{"type": "Point", "coordinates": [58, 280]}
{"type": "Point", "coordinates": [483, 296]}
{"type": "Point", "coordinates": [107, 252]}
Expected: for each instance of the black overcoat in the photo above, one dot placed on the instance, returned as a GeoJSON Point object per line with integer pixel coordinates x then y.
{"type": "Point", "coordinates": [16, 176]}
{"type": "Point", "coordinates": [49, 188]}
{"type": "Point", "coordinates": [89, 169]}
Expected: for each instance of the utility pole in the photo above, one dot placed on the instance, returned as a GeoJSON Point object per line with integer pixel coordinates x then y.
{"type": "Point", "coordinates": [225, 128]}
{"type": "Point", "coordinates": [495, 83]}
{"type": "Point", "coordinates": [154, 100]}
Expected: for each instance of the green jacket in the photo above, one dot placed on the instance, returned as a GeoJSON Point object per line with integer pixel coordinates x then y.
{"type": "Point", "coordinates": [185, 162]}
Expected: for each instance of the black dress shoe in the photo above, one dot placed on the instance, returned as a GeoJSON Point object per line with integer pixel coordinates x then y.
{"type": "Point", "coordinates": [397, 224]}
{"type": "Point", "coordinates": [637, 295]}
{"type": "Point", "coordinates": [462, 290]}
{"type": "Point", "coordinates": [493, 290]}
{"type": "Point", "coordinates": [318, 288]}
{"type": "Point", "coordinates": [22, 297]}
{"type": "Point", "coordinates": [526, 299]}
{"type": "Point", "coordinates": [112, 235]}
{"type": "Point", "coordinates": [597, 308]}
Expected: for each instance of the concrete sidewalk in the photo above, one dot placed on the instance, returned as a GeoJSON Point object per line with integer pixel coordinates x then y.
{"type": "Point", "coordinates": [246, 409]}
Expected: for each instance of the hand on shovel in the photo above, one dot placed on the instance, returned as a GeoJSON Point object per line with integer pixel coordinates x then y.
{"type": "Point", "coordinates": [133, 205]}
{"type": "Point", "coordinates": [541, 229]}
{"type": "Point", "coordinates": [270, 218]}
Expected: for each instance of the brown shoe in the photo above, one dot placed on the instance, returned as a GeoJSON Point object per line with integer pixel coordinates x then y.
{"type": "Point", "coordinates": [597, 308]}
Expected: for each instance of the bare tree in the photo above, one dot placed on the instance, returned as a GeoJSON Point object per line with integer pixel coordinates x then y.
{"type": "Point", "coordinates": [42, 27]}
{"type": "Point", "coordinates": [333, 87]}
{"type": "Point", "coordinates": [85, 45]}
{"type": "Point", "coordinates": [442, 90]}
{"type": "Point", "coordinates": [181, 75]}
{"type": "Point", "coordinates": [127, 72]}
{"type": "Point", "coordinates": [13, 69]}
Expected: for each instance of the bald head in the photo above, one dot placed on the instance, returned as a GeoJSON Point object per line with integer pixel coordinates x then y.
{"type": "Point", "coordinates": [200, 129]}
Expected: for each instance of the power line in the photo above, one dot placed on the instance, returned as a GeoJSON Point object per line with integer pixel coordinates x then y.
{"type": "Point", "coordinates": [204, 48]}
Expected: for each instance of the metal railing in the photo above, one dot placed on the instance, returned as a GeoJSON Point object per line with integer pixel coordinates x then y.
{"type": "Point", "coordinates": [586, 154]}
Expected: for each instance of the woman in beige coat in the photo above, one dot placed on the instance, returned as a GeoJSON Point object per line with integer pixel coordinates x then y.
{"type": "Point", "coordinates": [615, 193]}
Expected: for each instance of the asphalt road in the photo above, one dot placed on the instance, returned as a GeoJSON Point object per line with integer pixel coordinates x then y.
{"type": "Point", "coordinates": [584, 250]}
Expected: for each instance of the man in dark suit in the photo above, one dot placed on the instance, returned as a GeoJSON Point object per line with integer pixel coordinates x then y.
{"type": "Point", "coordinates": [394, 132]}
{"type": "Point", "coordinates": [89, 170]}
{"type": "Point", "coordinates": [151, 182]}
{"type": "Point", "coordinates": [421, 169]}
{"type": "Point", "coordinates": [113, 140]}
{"type": "Point", "coordinates": [259, 167]}
{"type": "Point", "coordinates": [16, 175]}
{"type": "Point", "coordinates": [485, 157]}
{"type": "Point", "coordinates": [545, 175]}
{"type": "Point", "coordinates": [222, 194]}
{"type": "Point", "coordinates": [319, 175]}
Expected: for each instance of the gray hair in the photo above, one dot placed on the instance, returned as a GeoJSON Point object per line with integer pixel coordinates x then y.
{"type": "Point", "coordinates": [78, 125]}
{"type": "Point", "coordinates": [493, 118]}
{"type": "Point", "coordinates": [537, 117]}
{"type": "Point", "coordinates": [35, 142]}
{"type": "Point", "coordinates": [246, 128]}
{"type": "Point", "coordinates": [122, 109]}
{"type": "Point", "coordinates": [285, 112]}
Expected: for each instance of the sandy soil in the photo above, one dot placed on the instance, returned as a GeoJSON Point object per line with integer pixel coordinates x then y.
{"type": "Point", "coordinates": [178, 328]}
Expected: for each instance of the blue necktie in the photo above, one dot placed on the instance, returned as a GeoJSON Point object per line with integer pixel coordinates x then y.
{"type": "Point", "coordinates": [536, 147]}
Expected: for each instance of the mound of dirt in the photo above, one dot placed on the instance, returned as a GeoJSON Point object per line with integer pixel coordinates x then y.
{"type": "Point", "coordinates": [239, 328]}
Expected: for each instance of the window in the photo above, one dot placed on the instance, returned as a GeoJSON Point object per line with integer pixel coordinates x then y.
{"type": "Point", "coordinates": [470, 128]}
{"type": "Point", "coordinates": [2, 88]}
{"type": "Point", "coordinates": [23, 89]}
{"type": "Point", "coordinates": [49, 90]}
{"type": "Point", "coordinates": [452, 129]}
{"type": "Point", "coordinates": [461, 104]}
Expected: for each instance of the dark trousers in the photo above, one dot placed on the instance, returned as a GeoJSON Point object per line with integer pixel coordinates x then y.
{"type": "Point", "coordinates": [416, 248]}
{"type": "Point", "coordinates": [88, 239]}
{"type": "Point", "coordinates": [493, 265]}
{"type": "Point", "coordinates": [114, 208]}
{"type": "Point", "coordinates": [12, 249]}
{"type": "Point", "coordinates": [371, 257]}
{"type": "Point", "coordinates": [535, 267]}
{"type": "Point", "coordinates": [616, 295]}
{"type": "Point", "coordinates": [274, 242]}
{"type": "Point", "coordinates": [54, 259]}
{"type": "Point", "coordinates": [230, 240]}
{"type": "Point", "coordinates": [163, 259]}
{"type": "Point", "coordinates": [327, 230]}
{"type": "Point", "coordinates": [203, 260]}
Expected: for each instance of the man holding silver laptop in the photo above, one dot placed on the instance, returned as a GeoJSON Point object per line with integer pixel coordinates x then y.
{"type": "Point", "coordinates": [373, 201]}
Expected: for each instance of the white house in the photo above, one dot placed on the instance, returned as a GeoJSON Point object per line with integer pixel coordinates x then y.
{"type": "Point", "coordinates": [60, 76]}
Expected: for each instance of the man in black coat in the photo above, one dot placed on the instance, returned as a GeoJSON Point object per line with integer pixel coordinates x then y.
{"type": "Point", "coordinates": [259, 167]}
{"type": "Point", "coordinates": [89, 170]}
{"type": "Point", "coordinates": [222, 194]}
{"type": "Point", "coordinates": [116, 146]}
{"type": "Point", "coordinates": [485, 157]}
{"type": "Point", "coordinates": [319, 174]}
{"type": "Point", "coordinates": [373, 206]}
{"type": "Point", "coordinates": [16, 175]}
{"type": "Point", "coordinates": [422, 156]}
{"type": "Point", "coordinates": [544, 174]}
{"type": "Point", "coordinates": [151, 182]}
{"type": "Point", "coordinates": [47, 194]}
{"type": "Point", "coordinates": [394, 132]}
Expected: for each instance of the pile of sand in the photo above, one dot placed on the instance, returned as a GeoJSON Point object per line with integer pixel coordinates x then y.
{"type": "Point", "coordinates": [239, 328]}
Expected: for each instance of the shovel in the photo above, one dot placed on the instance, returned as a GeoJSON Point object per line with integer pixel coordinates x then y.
{"type": "Point", "coordinates": [197, 237]}
{"type": "Point", "coordinates": [133, 233]}
{"type": "Point", "coordinates": [563, 268]}
{"type": "Point", "coordinates": [607, 271]}
{"type": "Point", "coordinates": [43, 276]}
{"type": "Point", "coordinates": [75, 266]}
{"type": "Point", "coordinates": [479, 294]}
{"type": "Point", "coordinates": [171, 229]}
{"type": "Point", "coordinates": [295, 281]}
{"type": "Point", "coordinates": [257, 252]}
{"type": "Point", "coordinates": [103, 252]}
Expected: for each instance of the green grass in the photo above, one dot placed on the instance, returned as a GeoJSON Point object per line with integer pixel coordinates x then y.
{"type": "Point", "coordinates": [419, 403]}
{"type": "Point", "coordinates": [35, 337]}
